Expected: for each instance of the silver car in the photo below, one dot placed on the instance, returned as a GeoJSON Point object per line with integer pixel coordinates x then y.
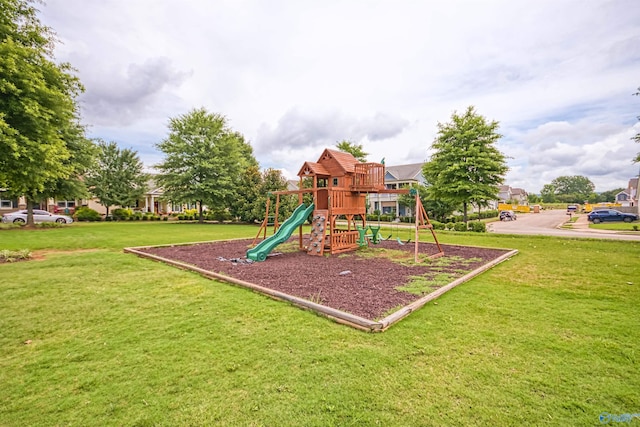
{"type": "Point", "coordinates": [20, 217]}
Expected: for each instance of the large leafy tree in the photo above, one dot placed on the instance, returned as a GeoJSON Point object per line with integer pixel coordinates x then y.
{"type": "Point", "coordinates": [41, 141]}
{"type": "Point", "coordinates": [569, 189]}
{"type": "Point", "coordinates": [466, 166]}
{"type": "Point", "coordinates": [204, 161]}
{"type": "Point", "coordinates": [356, 150]}
{"type": "Point", "coordinates": [548, 193]}
{"type": "Point", "coordinates": [117, 178]}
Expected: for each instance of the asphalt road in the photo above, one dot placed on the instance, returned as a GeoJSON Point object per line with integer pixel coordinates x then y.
{"type": "Point", "coordinates": [548, 222]}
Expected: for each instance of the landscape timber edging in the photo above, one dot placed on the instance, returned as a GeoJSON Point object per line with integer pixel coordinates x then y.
{"type": "Point", "coordinates": [336, 315]}
{"type": "Point", "coordinates": [408, 309]}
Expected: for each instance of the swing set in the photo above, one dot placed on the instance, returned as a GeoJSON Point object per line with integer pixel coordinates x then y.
{"type": "Point", "coordinates": [372, 234]}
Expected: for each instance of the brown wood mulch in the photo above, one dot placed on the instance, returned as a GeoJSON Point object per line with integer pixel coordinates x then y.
{"type": "Point", "coordinates": [365, 286]}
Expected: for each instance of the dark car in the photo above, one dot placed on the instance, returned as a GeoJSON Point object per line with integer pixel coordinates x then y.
{"type": "Point", "coordinates": [507, 216]}
{"type": "Point", "coordinates": [606, 215]}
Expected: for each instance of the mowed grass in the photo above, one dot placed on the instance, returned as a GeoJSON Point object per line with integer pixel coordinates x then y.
{"type": "Point", "coordinates": [91, 336]}
{"type": "Point", "coordinates": [617, 226]}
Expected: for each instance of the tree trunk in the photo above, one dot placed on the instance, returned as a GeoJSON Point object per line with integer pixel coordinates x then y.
{"type": "Point", "coordinates": [30, 222]}
{"type": "Point", "coordinates": [200, 217]}
{"type": "Point", "coordinates": [464, 212]}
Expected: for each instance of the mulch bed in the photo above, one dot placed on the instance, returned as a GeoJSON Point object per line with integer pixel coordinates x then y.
{"type": "Point", "coordinates": [365, 286]}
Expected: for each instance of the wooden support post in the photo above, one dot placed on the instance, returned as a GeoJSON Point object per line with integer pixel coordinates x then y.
{"type": "Point", "coordinates": [422, 221]}
{"type": "Point", "coordinates": [264, 225]}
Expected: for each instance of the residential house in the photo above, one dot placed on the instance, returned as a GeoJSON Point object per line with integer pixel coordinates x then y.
{"type": "Point", "coordinates": [629, 197]}
{"type": "Point", "coordinates": [396, 177]}
{"type": "Point", "coordinates": [507, 194]}
{"type": "Point", "coordinates": [151, 201]}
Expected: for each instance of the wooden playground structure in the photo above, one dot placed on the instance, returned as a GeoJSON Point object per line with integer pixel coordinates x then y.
{"type": "Point", "coordinates": [339, 186]}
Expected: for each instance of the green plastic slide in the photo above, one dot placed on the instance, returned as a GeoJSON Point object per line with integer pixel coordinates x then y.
{"type": "Point", "coordinates": [262, 249]}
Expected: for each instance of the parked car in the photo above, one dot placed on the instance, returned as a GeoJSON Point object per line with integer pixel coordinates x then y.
{"type": "Point", "coordinates": [38, 216]}
{"type": "Point", "coordinates": [507, 216]}
{"type": "Point", "coordinates": [607, 215]}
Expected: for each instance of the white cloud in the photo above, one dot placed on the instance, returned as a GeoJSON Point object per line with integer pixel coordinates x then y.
{"type": "Point", "coordinates": [296, 77]}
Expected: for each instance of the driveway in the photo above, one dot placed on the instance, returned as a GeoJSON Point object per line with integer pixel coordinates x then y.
{"type": "Point", "coordinates": [548, 222]}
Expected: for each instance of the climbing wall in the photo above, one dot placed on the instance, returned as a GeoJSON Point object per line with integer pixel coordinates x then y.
{"type": "Point", "coordinates": [318, 232]}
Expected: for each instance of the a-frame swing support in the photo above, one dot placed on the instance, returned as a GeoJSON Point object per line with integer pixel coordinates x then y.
{"type": "Point", "coordinates": [422, 221]}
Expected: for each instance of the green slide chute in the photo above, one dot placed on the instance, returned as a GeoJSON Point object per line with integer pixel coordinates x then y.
{"type": "Point", "coordinates": [299, 216]}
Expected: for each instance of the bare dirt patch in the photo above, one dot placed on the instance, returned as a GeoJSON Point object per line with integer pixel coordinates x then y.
{"type": "Point", "coordinates": [368, 283]}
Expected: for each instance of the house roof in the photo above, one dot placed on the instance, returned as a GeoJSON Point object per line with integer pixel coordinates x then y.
{"type": "Point", "coordinates": [152, 186]}
{"type": "Point", "coordinates": [405, 172]}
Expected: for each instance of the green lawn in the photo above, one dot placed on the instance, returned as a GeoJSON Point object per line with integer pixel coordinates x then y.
{"type": "Point", "coordinates": [617, 226]}
{"type": "Point", "coordinates": [91, 336]}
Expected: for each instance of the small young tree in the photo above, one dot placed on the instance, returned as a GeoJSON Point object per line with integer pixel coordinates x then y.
{"type": "Point", "coordinates": [466, 166]}
{"type": "Point", "coordinates": [117, 179]}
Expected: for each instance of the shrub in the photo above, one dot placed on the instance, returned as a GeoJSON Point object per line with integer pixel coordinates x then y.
{"type": "Point", "coordinates": [221, 215]}
{"type": "Point", "coordinates": [165, 218]}
{"type": "Point", "coordinates": [121, 214]}
{"type": "Point", "coordinates": [449, 225]}
{"type": "Point", "coordinates": [85, 213]}
{"type": "Point", "coordinates": [437, 225]}
{"type": "Point", "coordinates": [478, 227]}
{"type": "Point", "coordinates": [460, 226]}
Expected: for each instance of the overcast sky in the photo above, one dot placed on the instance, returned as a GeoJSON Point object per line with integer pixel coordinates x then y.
{"type": "Point", "coordinates": [295, 77]}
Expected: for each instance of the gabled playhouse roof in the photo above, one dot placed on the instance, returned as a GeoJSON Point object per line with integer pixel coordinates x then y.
{"type": "Point", "coordinates": [330, 163]}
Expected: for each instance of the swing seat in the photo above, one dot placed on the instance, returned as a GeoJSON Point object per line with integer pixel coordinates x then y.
{"type": "Point", "coordinates": [375, 234]}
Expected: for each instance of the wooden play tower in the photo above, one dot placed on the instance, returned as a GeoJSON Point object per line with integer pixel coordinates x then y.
{"type": "Point", "coordinates": [339, 185]}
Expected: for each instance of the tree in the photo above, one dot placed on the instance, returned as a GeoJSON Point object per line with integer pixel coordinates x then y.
{"type": "Point", "coordinates": [354, 149]}
{"type": "Point", "coordinates": [244, 206]}
{"type": "Point", "coordinates": [570, 189]}
{"type": "Point", "coordinates": [609, 195]}
{"type": "Point", "coordinates": [436, 209]}
{"type": "Point", "coordinates": [117, 177]}
{"type": "Point", "coordinates": [637, 137]}
{"type": "Point", "coordinates": [466, 166]}
{"type": "Point", "coordinates": [204, 161]}
{"type": "Point", "coordinates": [548, 193]}
{"type": "Point", "coordinates": [39, 117]}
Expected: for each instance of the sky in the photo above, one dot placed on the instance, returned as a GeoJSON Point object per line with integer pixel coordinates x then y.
{"type": "Point", "coordinates": [298, 76]}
